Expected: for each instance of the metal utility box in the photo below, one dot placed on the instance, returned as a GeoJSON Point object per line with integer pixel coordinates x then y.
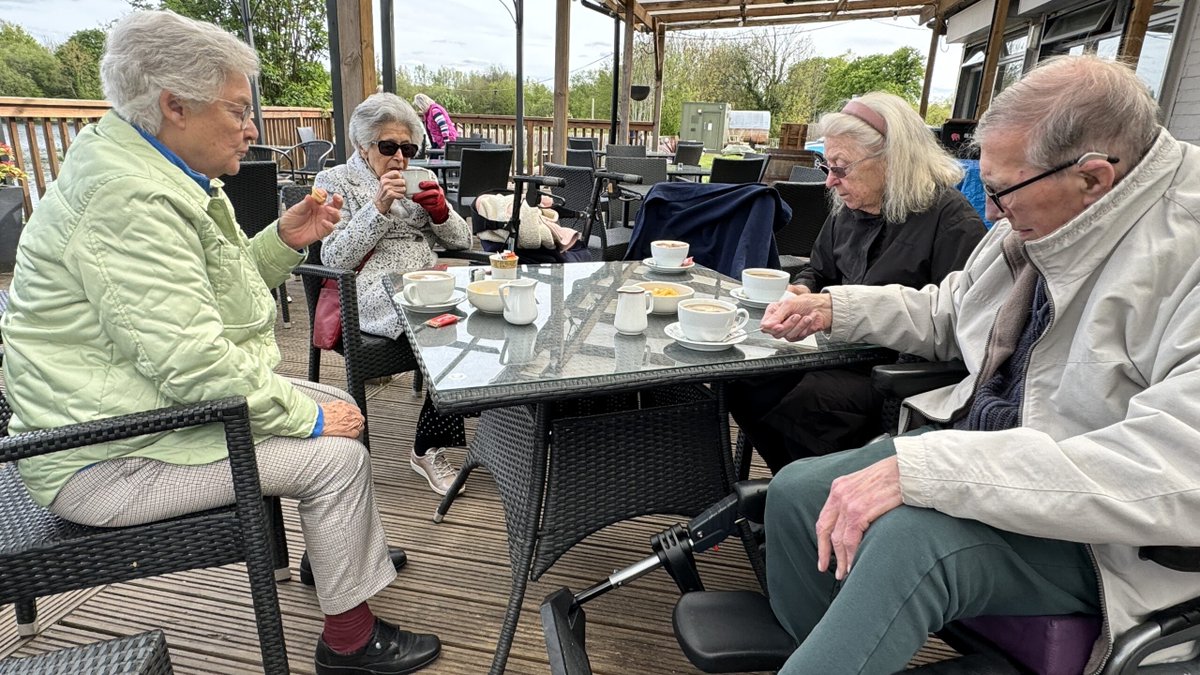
{"type": "Point", "coordinates": [707, 123]}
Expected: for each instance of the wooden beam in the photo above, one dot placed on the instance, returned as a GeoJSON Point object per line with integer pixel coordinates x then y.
{"type": "Point", "coordinates": [350, 61]}
{"type": "Point", "coordinates": [562, 77]}
{"type": "Point", "coordinates": [815, 18]}
{"type": "Point", "coordinates": [995, 42]}
{"type": "Point", "coordinates": [643, 17]}
{"type": "Point", "coordinates": [366, 40]}
{"type": "Point", "coordinates": [660, 45]}
{"type": "Point", "coordinates": [939, 27]}
{"type": "Point", "coordinates": [1135, 31]}
{"type": "Point", "coordinates": [831, 7]}
{"type": "Point", "coordinates": [943, 8]}
{"type": "Point", "coordinates": [626, 77]}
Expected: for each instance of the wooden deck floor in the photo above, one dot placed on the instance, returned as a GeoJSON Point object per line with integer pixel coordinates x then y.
{"type": "Point", "coordinates": [456, 583]}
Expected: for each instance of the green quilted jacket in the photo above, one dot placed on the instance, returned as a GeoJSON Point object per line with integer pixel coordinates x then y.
{"type": "Point", "coordinates": [133, 290]}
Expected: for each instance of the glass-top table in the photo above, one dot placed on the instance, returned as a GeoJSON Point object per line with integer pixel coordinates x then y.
{"type": "Point", "coordinates": [573, 350]}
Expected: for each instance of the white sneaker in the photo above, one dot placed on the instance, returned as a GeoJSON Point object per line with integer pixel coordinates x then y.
{"type": "Point", "coordinates": [435, 468]}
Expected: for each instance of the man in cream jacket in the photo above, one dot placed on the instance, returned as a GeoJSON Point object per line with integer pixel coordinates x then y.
{"type": "Point", "coordinates": [1075, 438]}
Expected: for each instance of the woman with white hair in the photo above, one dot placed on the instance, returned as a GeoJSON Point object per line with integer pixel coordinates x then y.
{"type": "Point", "coordinates": [135, 288]}
{"type": "Point", "coordinates": [398, 233]}
{"type": "Point", "coordinates": [437, 121]}
{"type": "Point", "coordinates": [897, 219]}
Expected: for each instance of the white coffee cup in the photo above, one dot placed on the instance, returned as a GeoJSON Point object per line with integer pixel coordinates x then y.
{"type": "Point", "coordinates": [503, 268]}
{"type": "Point", "coordinates": [763, 284]}
{"type": "Point", "coordinates": [668, 253]}
{"type": "Point", "coordinates": [428, 287]}
{"type": "Point", "coordinates": [705, 320]}
{"type": "Point", "coordinates": [413, 178]}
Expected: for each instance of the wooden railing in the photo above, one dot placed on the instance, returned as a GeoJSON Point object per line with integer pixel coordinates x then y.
{"type": "Point", "coordinates": [39, 130]}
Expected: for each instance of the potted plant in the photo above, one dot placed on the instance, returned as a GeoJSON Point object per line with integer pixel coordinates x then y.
{"type": "Point", "coordinates": [12, 202]}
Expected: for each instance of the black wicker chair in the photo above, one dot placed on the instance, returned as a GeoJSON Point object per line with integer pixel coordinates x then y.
{"type": "Point", "coordinates": [482, 170]}
{"type": "Point", "coordinates": [367, 356]}
{"type": "Point", "coordinates": [254, 193]}
{"type": "Point", "coordinates": [689, 153]}
{"type": "Point", "coordinates": [614, 150]}
{"type": "Point", "coordinates": [737, 170]}
{"type": "Point", "coordinates": [581, 157]}
{"type": "Point", "coordinates": [624, 209]}
{"type": "Point", "coordinates": [141, 654]}
{"type": "Point", "coordinates": [810, 209]}
{"type": "Point", "coordinates": [315, 153]}
{"type": "Point", "coordinates": [42, 554]}
{"type": "Point", "coordinates": [807, 174]}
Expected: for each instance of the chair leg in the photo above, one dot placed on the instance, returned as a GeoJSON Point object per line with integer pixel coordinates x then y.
{"type": "Point", "coordinates": [314, 364]}
{"type": "Point", "coordinates": [283, 304]}
{"type": "Point", "coordinates": [418, 381]}
{"type": "Point", "coordinates": [278, 536]}
{"type": "Point", "coordinates": [27, 621]}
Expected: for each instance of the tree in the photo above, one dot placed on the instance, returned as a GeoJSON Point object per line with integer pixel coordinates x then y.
{"type": "Point", "coordinates": [938, 112]}
{"type": "Point", "coordinates": [80, 59]}
{"type": "Point", "coordinates": [27, 68]}
{"type": "Point", "coordinates": [899, 73]}
{"type": "Point", "coordinates": [289, 35]}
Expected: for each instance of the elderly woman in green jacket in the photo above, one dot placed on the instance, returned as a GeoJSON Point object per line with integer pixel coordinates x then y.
{"type": "Point", "coordinates": [134, 288]}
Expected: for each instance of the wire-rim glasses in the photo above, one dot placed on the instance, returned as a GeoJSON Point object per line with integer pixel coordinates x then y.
{"type": "Point", "coordinates": [1085, 157]}
{"type": "Point", "coordinates": [389, 148]}
{"type": "Point", "coordinates": [247, 111]}
{"type": "Point", "coordinates": [839, 172]}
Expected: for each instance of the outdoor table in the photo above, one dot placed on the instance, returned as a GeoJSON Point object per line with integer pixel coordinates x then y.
{"type": "Point", "coordinates": [435, 153]}
{"type": "Point", "coordinates": [438, 166]}
{"type": "Point", "coordinates": [687, 172]}
{"type": "Point", "coordinates": [660, 153]}
{"type": "Point", "coordinates": [582, 427]}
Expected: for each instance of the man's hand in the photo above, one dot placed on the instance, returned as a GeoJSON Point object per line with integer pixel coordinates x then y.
{"type": "Point", "coordinates": [342, 419]}
{"type": "Point", "coordinates": [309, 221]}
{"type": "Point", "coordinates": [855, 501]}
{"type": "Point", "coordinates": [391, 188]}
{"type": "Point", "coordinates": [433, 201]}
{"type": "Point", "coordinates": [795, 318]}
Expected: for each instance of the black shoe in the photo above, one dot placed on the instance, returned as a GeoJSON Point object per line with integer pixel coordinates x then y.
{"type": "Point", "coordinates": [399, 559]}
{"type": "Point", "coordinates": [390, 651]}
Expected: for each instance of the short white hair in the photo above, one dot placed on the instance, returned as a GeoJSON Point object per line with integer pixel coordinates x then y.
{"type": "Point", "coordinates": [381, 109]}
{"type": "Point", "coordinates": [150, 52]}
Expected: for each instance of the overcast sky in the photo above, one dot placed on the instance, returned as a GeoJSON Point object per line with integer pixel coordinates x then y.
{"type": "Point", "coordinates": [474, 34]}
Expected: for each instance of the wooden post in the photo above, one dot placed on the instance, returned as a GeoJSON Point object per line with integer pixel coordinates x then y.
{"type": "Point", "coordinates": [626, 76]}
{"type": "Point", "coordinates": [350, 62]}
{"type": "Point", "coordinates": [366, 40]}
{"type": "Point", "coordinates": [939, 27]}
{"type": "Point", "coordinates": [660, 48]}
{"type": "Point", "coordinates": [562, 66]}
{"type": "Point", "coordinates": [995, 42]}
{"type": "Point", "coordinates": [1135, 31]}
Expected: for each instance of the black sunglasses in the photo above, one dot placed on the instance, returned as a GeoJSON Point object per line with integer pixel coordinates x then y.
{"type": "Point", "coordinates": [389, 148]}
{"type": "Point", "coordinates": [1085, 157]}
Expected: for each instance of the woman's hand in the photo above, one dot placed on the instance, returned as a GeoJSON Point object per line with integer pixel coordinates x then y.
{"type": "Point", "coordinates": [796, 317]}
{"type": "Point", "coordinates": [432, 200]}
{"type": "Point", "coordinates": [391, 188]}
{"type": "Point", "coordinates": [342, 419]}
{"type": "Point", "coordinates": [797, 289]}
{"type": "Point", "coordinates": [309, 221]}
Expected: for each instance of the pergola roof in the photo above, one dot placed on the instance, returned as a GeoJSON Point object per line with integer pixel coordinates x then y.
{"type": "Point", "coordinates": [696, 14]}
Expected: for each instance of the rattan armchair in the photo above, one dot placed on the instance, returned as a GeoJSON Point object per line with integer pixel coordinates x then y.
{"type": "Point", "coordinates": [42, 554]}
{"type": "Point", "coordinates": [141, 654]}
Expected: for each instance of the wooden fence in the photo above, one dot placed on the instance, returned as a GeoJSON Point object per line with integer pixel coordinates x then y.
{"type": "Point", "coordinates": [39, 130]}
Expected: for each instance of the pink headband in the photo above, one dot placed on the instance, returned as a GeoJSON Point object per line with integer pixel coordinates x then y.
{"type": "Point", "coordinates": [870, 117]}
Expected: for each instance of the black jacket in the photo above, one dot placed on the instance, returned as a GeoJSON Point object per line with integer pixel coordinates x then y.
{"type": "Point", "coordinates": [859, 248]}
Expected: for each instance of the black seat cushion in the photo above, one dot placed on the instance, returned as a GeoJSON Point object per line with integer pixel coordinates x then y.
{"type": "Point", "coordinates": [731, 632]}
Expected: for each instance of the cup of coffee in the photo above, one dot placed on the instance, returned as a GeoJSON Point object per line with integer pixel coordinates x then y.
{"type": "Point", "coordinates": [428, 287]}
{"type": "Point", "coordinates": [503, 266]}
{"type": "Point", "coordinates": [704, 320]}
{"type": "Point", "coordinates": [668, 253]}
{"type": "Point", "coordinates": [763, 284]}
{"type": "Point", "coordinates": [413, 178]}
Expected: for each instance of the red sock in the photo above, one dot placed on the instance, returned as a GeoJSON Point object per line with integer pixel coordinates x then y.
{"type": "Point", "coordinates": [349, 632]}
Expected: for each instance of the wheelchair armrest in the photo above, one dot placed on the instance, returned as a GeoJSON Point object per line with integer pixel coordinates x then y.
{"type": "Point", "coordinates": [901, 380]}
{"type": "Point", "coordinates": [1178, 558]}
{"type": "Point", "coordinates": [475, 257]}
{"type": "Point", "coordinates": [752, 498]}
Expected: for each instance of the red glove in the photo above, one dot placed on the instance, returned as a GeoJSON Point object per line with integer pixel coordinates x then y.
{"type": "Point", "coordinates": [432, 200]}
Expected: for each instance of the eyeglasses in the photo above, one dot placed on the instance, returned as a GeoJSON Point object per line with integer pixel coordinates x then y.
{"type": "Point", "coordinates": [247, 111]}
{"type": "Point", "coordinates": [839, 172]}
{"type": "Point", "coordinates": [1085, 157]}
{"type": "Point", "coordinates": [389, 148]}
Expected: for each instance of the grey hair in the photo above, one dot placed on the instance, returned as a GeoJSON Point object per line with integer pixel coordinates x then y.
{"type": "Point", "coordinates": [380, 109]}
{"type": "Point", "coordinates": [150, 52]}
{"type": "Point", "coordinates": [1071, 105]}
{"type": "Point", "coordinates": [917, 167]}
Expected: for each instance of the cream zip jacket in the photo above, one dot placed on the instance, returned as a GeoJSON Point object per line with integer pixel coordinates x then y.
{"type": "Point", "coordinates": [1108, 451]}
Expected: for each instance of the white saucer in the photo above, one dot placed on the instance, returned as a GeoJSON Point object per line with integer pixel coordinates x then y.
{"type": "Point", "coordinates": [456, 297]}
{"type": "Point", "coordinates": [739, 294]}
{"type": "Point", "coordinates": [674, 332]}
{"type": "Point", "coordinates": [649, 262]}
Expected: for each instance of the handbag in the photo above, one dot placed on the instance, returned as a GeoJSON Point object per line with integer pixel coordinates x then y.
{"type": "Point", "coordinates": [327, 320]}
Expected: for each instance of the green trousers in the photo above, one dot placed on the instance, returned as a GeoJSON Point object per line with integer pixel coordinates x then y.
{"type": "Point", "coordinates": [915, 571]}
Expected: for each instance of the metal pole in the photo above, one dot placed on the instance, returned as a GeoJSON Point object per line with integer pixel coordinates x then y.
{"type": "Point", "coordinates": [616, 78]}
{"type": "Point", "coordinates": [387, 20]}
{"type": "Point", "coordinates": [519, 132]}
{"type": "Point", "coordinates": [256, 101]}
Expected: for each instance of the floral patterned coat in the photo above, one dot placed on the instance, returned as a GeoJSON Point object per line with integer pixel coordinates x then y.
{"type": "Point", "coordinates": [402, 240]}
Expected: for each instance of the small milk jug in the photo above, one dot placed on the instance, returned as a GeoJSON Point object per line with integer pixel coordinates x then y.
{"type": "Point", "coordinates": [633, 304]}
{"type": "Point", "coordinates": [520, 301]}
